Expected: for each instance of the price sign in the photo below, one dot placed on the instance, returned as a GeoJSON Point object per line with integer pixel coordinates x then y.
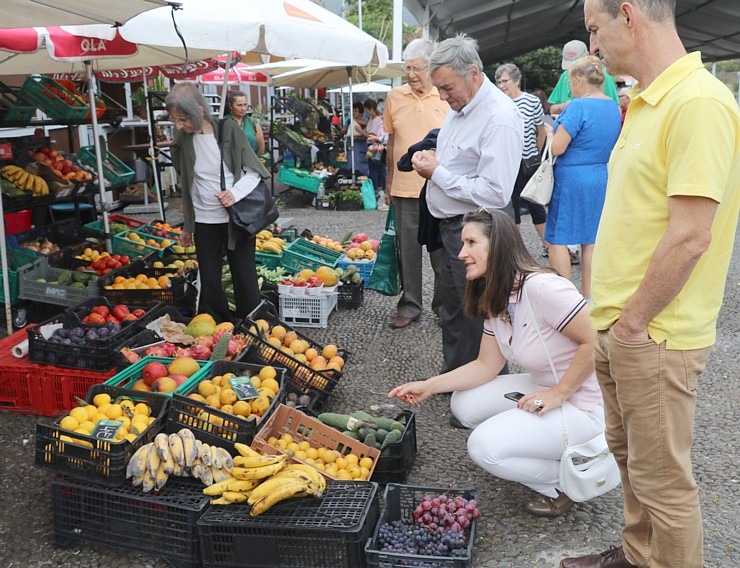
{"type": "Point", "coordinates": [107, 429]}
{"type": "Point", "coordinates": [243, 388]}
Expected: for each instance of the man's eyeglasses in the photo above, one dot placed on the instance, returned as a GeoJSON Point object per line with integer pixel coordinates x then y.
{"type": "Point", "coordinates": [416, 70]}
{"type": "Point", "coordinates": [502, 82]}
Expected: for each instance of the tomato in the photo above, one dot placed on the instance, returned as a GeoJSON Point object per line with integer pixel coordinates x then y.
{"type": "Point", "coordinates": [125, 260]}
{"type": "Point", "coordinates": [138, 312]}
{"type": "Point", "coordinates": [120, 311]}
{"type": "Point", "coordinates": [95, 318]}
{"type": "Point", "coordinates": [128, 317]}
{"type": "Point", "coordinates": [105, 271]}
{"type": "Point", "coordinates": [102, 310]}
{"type": "Point", "coordinates": [110, 262]}
{"type": "Point", "coordinates": [112, 319]}
{"type": "Point", "coordinates": [116, 257]}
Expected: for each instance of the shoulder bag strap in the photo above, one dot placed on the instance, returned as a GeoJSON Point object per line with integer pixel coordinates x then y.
{"type": "Point", "coordinates": [221, 150]}
{"type": "Point", "coordinates": [549, 357]}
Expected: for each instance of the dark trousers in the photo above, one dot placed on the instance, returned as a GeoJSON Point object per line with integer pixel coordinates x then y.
{"type": "Point", "coordinates": [211, 241]}
{"type": "Point", "coordinates": [377, 174]}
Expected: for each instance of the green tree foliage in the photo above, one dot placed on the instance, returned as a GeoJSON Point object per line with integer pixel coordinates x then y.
{"type": "Point", "coordinates": [377, 20]}
{"type": "Point", "coordinates": [540, 68]}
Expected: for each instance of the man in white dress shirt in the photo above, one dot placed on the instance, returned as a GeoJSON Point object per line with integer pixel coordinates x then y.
{"type": "Point", "coordinates": [475, 165]}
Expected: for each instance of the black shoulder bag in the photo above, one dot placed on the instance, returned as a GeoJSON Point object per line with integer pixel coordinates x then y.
{"type": "Point", "coordinates": [255, 211]}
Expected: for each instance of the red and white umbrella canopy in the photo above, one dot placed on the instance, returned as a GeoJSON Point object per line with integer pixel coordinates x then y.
{"type": "Point", "coordinates": [238, 75]}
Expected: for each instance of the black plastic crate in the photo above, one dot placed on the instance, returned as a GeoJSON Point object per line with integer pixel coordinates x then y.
{"type": "Point", "coordinates": [67, 259]}
{"type": "Point", "coordinates": [94, 355]}
{"type": "Point", "coordinates": [328, 532]}
{"type": "Point", "coordinates": [301, 375]}
{"type": "Point", "coordinates": [162, 523]}
{"type": "Point", "coordinates": [87, 458]}
{"type": "Point", "coordinates": [83, 309]}
{"type": "Point", "coordinates": [400, 501]}
{"type": "Point", "coordinates": [397, 459]}
{"type": "Point", "coordinates": [181, 291]}
{"type": "Point", "coordinates": [64, 233]}
{"type": "Point", "coordinates": [185, 412]}
{"type": "Point", "coordinates": [350, 296]}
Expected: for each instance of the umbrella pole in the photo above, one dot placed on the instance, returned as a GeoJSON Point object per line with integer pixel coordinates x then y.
{"type": "Point", "coordinates": [351, 122]}
{"type": "Point", "coordinates": [152, 153]}
{"type": "Point", "coordinates": [225, 87]}
{"type": "Point", "coordinates": [98, 156]}
{"type": "Point", "coordinates": [6, 283]}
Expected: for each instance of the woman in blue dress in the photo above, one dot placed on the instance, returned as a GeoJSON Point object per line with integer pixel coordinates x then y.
{"type": "Point", "coordinates": [584, 135]}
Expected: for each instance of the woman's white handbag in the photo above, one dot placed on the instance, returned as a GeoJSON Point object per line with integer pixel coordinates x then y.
{"type": "Point", "coordinates": [588, 470]}
{"type": "Point", "coordinates": [539, 187]}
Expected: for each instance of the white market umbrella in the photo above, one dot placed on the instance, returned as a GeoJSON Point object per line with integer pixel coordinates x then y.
{"type": "Point", "coordinates": [29, 13]}
{"type": "Point", "coordinates": [334, 74]}
{"type": "Point", "coordinates": [363, 88]}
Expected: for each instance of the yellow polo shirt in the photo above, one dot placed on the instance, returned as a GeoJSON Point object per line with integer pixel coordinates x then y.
{"type": "Point", "coordinates": [409, 118]}
{"type": "Point", "coordinates": [681, 136]}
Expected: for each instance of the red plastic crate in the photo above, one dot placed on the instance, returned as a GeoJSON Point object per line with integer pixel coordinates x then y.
{"type": "Point", "coordinates": [20, 390]}
{"type": "Point", "coordinates": [59, 386]}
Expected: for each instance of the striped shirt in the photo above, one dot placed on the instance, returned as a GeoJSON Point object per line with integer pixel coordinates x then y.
{"type": "Point", "coordinates": [530, 109]}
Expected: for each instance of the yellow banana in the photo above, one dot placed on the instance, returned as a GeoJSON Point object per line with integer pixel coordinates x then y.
{"type": "Point", "coordinates": [241, 461]}
{"type": "Point", "coordinates": [318, 479]}
{"type": "Point", "coordinates": [216, 458]}
{"type": "Point", "coordinates": [23, 179]}
{"type": "Point", "coordinates": [270, 485]}
{"type": "Point", "coordinates": [227, 462]}
{"type": "Point", "coordinates": [206, 475]}
{"type": "Point", "coordinates": [149, 482]}
{"type": "Point", "coordinates": [219, 474]}
{"type": "Point", "coordinates": [217, 488]}
{"type": "Point", "coordinates": [288, 490]}
{"type": "Point", "coordinates": [163, 447]}
{"type": "Point", "coordinates": [196, 470]}
{"type": "Point", "coordinates": [137, 464]}
{"type": "Point", "coordinates": [257, 472]}
{"type": "Point", "coordinates": [161, 478]}
{"type": "Point", "coordinates": [169, 465]}
{"type": "Point", "coordinates": [205, 455]}
{"type": "Point", "coordinates": [177, 470]}
{"type": "Point", "coordinates": [245, 450]}
{"type": "Point", "coordinates": [188, 446]}
{"type": "Point", "coordinates": [176, 449]}
{"type": "Point", "coordinates": [199, 449]}
{"type": "Point", "coordinates": [300, 475]}
{"type": "Point", "coordinates": [243, 485]}
{"type": "Point", "coordinates": [139, 479]}
{"type": "Point", "coordinates": [152, 461]}
{"type": "Point", "coordinates": [221, 501]}
{"type": "Point", "coordinates": [234, 496]}
{"type": "Point", "coordinates": [271, 248]}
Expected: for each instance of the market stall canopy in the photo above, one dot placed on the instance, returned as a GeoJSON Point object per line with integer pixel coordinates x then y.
{"type": "Point", "coordinates": [363, 88]}
{"type": "Point", "coordinates": [505, 29]}
{"type": "Point", "coordinates": [239, 74]}
{"type": "Point", "coordinates": [334, 74]}
{"type": "Point", "coordinates": [286, 28]}
{"type": "Point", "coordinates": [29, 13]}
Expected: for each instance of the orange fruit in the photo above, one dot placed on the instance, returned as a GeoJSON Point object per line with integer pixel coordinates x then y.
{"type": "Point", "coordinates": [256, 382]}
{"type": "Point", "coordinates": [329, 351]}
{"type": "Point", "coordinates": [206, 388]}
{"type": "Point", "coordinates": [268, 372]}
{"type": "Point", "coordinates": [227, 396]}
{"type": "Point", "coordinates": [213, 400]}
{"type": "Point", "coordinates": [262, 325]}
{"type": "Point", "coordinates": [279, 332]}
{"type": "Point", "coordinates": [271, 384]}
{"type": "Point", "coordinates": [311, 354]}
{"type": "Point", "coordinates": [227, 408]}
{"type": "Point", "coordinates": [289, 338]}
{"type": "Point", "coordinates": [242, 408]}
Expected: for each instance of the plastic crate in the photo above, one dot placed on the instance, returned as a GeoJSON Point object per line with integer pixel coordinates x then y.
{"type": "Point", "coordinates": [288, 234]}
{"type": "Point", "coordinates": [364, 268]}
{"type": "Point", "coordinates": [60, 388]}
{"type": "Point", "coordinates": [126, 378]}
{"type": "Point", "coordinates": [104, 462]}
{"type": "Point", "coordinates": [16, 259]}
{"type": "Point", "coordinates": [64, 233]}
{"type": "Point", "coordinates": [114, 170]}
{"type": "Point", "coordinates": [122, 245]}
{"type": "Point", "coordinates": [268, 259]}
{"type": "Point", "coordinates": [44, 92]}
{"type": "Point", "coordinates": [162, 523]}
{"type": "Point", "coordinates": [184, 412]}
{"type": "Point", "coordinates": [303, 427]}
{"type": "Point", "coordinates": [397, 459]}
{"type": "Point", "coordinates": [400, 501]}
{"type": "Point", "coordinates": [350, 296]}
{"type": "Point", "coordinates": [13, 106]}
{"type": "Point", "coordinates": [83, 309]}
{"type": "Point", "coordinates": [302, 254]}
{"type": "Point", "coordinates": [314, 533]}
{"type": "Point", "coordinates": [66, 259]}
{"type": "Point", "coordinates": [149, 230]}
{"type": "Point", "coordinates": [95, 355]}
{"type": "Point", "coordinates": [181, 291]}
{"type": "Point", "coordinates": [96, 227]}
{"type": "Point", "coordinates": [20, 391]}
{"type": "Point", "coordinates": [301, 375]}
{"type": "Point", "coordinates": [31, 288]}
{"type": "Point", "coordinates": [307, 311]}
{"type": "Point", "coordinates": [299, 179]}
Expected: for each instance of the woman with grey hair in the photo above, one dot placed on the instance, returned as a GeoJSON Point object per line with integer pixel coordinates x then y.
{"type": "Point", "coordinates": [201, 148]}
{"type": "Point", "coordinates": [508, 79]}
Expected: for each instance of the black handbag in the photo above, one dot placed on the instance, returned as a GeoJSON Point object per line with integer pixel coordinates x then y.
{"type": "Point", "coordinates": [256, 210]}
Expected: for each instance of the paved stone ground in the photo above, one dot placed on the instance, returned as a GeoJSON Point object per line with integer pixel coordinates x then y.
{"type": "Point", "coordinates": [381, 358]}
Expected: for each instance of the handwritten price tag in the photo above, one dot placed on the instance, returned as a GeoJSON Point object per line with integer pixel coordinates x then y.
{"type": "Point", "coordinates": [107, 429]}
{"type": "Point", "coordinates": [243, 388]}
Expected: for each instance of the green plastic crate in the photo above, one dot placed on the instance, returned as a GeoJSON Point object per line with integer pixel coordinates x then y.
{"type": "Point", "coordinates": [122, 245]}
{"type": "Point", "coordinates": [126, 378]}
{"type": "Point", "coordinates": [13, 106]}
{"type": "Point", "coordinates": [97, 228]}
{"type": "Point", "coordinates": [44, 93]}
{"type": "Point", "coordinates": [302, 254]}
{"type": "Point", "coordinates": [268, 260]}
{"type": "Point", "coordinates": [16, 259]}
{"type": "Point", "coordinates": [299, 179]}
{"type": "Point", "coordinates": [114, 170]}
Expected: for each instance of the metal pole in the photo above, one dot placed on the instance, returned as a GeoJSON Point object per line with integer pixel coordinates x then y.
{"type": "Point", "coordinates": [225, 88]}
{"type": "Point", "coordinates": [6, 283]}
{"type": "Point", "coordinates": [152, 153]}
{"type": "Point", "coordinates": [359, 13]}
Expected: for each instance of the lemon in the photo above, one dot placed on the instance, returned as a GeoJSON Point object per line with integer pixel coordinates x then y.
{"type": "Point", "coordinates": [69, 423]}
{"type": "Point", "coordinates": [101, 399]}
{"type": "Point", "coordinates": [267, 372]}
{"type": "Point", "coordinates": [142, 408]}
{"type": "Point", "coordinates": [366, 463]}
{"type": "Point", "coordinates": [87, 425]}
{"type": "Point", "coordinates": [344, 475]}
{"type": "Point", "coordinates": [114, 411]}
{"type": "Point", "coordinates": [79, 414]}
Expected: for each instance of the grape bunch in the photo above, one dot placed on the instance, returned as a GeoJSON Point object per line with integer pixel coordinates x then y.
{"type": "Point", "coordinates": [445, 511]}
{"type": "Point", "coordinates": [411, 537]}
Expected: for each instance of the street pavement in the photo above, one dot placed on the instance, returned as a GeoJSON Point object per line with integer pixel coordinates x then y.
{"type": "Point", "coordinates": [381, 358]}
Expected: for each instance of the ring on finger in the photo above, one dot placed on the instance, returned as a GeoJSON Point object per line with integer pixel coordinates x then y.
{"type": "Point", "coordinates": [538, 403]}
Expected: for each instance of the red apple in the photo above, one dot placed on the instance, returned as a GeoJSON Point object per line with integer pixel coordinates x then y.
{"type": "Point", "coordinates": [153, 371]}
{"type": "Point", "coordinates": [179, 379]}
{"type": "Point", "coordinates": [164, 384]}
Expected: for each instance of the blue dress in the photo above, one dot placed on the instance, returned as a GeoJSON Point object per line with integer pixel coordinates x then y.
{"type": "Point", "coordinates": [580, 172]}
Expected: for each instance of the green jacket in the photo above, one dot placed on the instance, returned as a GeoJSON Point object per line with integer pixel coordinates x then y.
{"type": "Point", "coordinates": [561, 92]}
{"type": "Point", "coordinates": [238, 155]}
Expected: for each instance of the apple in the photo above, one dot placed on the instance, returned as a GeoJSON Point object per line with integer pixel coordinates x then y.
{"type": "Point", "coordinates": [153, 371]}
{"type": "Point", "coordinates": [179, 379]}
{"type": "Point", "coordinates": [164, 384]}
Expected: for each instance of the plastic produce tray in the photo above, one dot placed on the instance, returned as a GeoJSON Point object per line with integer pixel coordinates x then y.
{"type": "Point", "coordinates": [162, 523]}
{"type": "Point", "coordinates": [181, 290]}
{"type": "Point", "coordinates": [20, 391]}
{"type": "Point", "coordinates": [65, 233]}
{"type": "Point", "coordinates": [127, 377]}
{"type": "Point", "coordinates": [122, 245]}
{"type": "Point", "coordinates": [397, 459]}
{"type": "Point", "coordinates": [318, 533]}
{"type": "Point", "coordinates": [299, 179]}
{"type": "Point", "coordinates": [307, 311]}
{"type": "Point", "coordinates": [302, 254]}
{"type": "Point", "coordinates": [304, 427]}
{"type": "Point", "coordinates": [299, 374]}
{"type": "Point", "coordinates": [41, 91]}
{"type": "Point", "coordinates": [400, 501]}
{"type": "Point", "coordinates": [268, 259]}
{"type": "Point", "coordinates": [350, 296]}
{"type": "Point", "coordinates": [364, 268]}
{"type": "Point", "coordinates": [114, 170]}
{"type": "Point", "coordinates": [13, 105]}
{"type": "Point", "coordinates": [184, 412]}
{"type": "Point", "coordinates": [16, 259]}
{"type": "Point", "coordinates": [60, 388]}
{"type": "Point", "coordinates": [96, 227]}
{"type": "Point", "coordinates": [44, 291]}
{"type": "Point", "coordinates": [105, 462]}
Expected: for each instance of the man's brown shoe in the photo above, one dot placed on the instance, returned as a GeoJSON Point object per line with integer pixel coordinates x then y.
{"type": "Point", "coordinates": [399, 322]}
{"type": "Point", "coordinates": [548, 507]}
{"type": "Point", "coordinates": [612, 558]}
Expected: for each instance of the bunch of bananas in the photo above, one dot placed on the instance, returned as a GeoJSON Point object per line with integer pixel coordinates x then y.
{"type": "Point", "coordinates": [181, 455]}
{"type": "Point", "coordinates": [266, 242]}
{"type": "Point", "coordinates": [25, 180]}
{"type": "Point", "coordinates": [264, 481]}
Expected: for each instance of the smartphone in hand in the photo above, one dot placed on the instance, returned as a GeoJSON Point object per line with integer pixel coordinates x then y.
{"type": "Point", "coordinates": [515, 396]}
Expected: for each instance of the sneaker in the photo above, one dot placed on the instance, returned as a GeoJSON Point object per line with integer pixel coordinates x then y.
{"type": "Point", "coordinates": [382, 207]}
{"type": "Point", "coordinates": [575, 256]}
{"type": "Point", "coordinates": [544, 251]}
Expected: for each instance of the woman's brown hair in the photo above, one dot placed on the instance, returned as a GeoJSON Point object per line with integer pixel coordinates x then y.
{"type": "Point", "coordinates": [508, 264]}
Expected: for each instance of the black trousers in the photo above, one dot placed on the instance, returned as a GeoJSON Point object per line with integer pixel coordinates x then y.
{"type": "Point", "coordinates": [211, 241]}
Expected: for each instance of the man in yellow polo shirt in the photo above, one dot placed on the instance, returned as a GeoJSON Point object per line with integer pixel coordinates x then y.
{"type": "Point", "coordinates": [411, 111]}
{"type": "Point", "coordinates": [660, 263]}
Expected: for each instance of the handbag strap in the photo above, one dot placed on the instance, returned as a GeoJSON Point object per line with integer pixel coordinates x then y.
{"type": "Point", "coordinates": [547, 153]}
{"type": "Point", "coordinates": [547, 353]}
{"type": "Point", "coordinates": [221, 150]}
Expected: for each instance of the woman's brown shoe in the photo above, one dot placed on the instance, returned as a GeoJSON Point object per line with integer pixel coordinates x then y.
{"type": "Point", "coordinates": [549, 507]}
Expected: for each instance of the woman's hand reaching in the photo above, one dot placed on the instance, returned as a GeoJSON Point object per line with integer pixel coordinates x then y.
{"type": "Point", "coordinates": [542, 401]}
{"type": "Point", "coordinates": [186, 239]}
{"type": "Point", "coordinates": [411, 393]}
{"type": "Point", "coordinates": [226, 198]}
